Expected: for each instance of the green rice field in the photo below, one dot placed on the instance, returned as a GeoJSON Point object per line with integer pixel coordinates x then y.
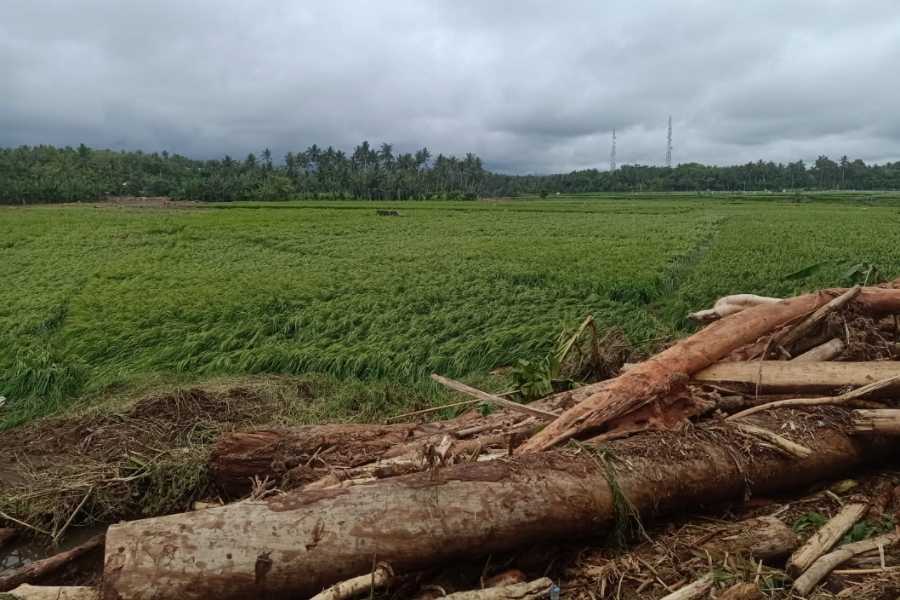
{"type": "Point", "coordinates": [99, 300]}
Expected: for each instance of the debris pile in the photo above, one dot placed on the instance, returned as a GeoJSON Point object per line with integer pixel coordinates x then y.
{"type": "Point", "coordinates": [768, 399]}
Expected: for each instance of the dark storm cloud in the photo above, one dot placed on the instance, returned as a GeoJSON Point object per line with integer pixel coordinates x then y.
{"type": "Point", "coordinates": [530, 86]}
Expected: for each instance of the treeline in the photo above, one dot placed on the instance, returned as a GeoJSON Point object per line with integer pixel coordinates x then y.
{"type": "Point", "coordinates": [50, 174]}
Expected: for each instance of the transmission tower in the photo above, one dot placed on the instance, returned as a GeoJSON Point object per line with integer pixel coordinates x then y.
{"type": "Point", "coordinates": [669, 144]}
{"type": "Point", "coordinates": [612, 154]}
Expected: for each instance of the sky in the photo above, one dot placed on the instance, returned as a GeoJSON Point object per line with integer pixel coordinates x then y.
{"type": "Point", "coordinates": [529, 86]}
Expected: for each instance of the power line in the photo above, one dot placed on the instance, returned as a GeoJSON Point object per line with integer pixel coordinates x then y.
{"type": "Point", "coordinates": [669, 144]}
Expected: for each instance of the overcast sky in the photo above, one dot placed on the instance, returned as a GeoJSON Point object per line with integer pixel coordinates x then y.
{"type": "Point", "coordinates": [529, 86]}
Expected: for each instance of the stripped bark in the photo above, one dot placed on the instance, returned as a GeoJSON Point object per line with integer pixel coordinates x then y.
{"type": "Point", "coordinates": [778, 375]}
{"type": "Point", "coordinates": [825, 538]}
{"type": "Point", "coordinates": [883, 421]}
{"type": "Point", "coordinates": [779, 441]}
{"type": "Point", "coordinates": [42, 568]}
{"type": "Point", "coordinates": [791, 336]}
{"type": "Point", "coordinates": [655, 377]}
{"type": "Point", "coordinates": [531, 590]}
{"type": "Point", "coordinates": [742, 591]}
{"type": "Point", "coordinates": [764, 538]}
{"type": "Point", "coordinates": [820, 569]}
{"type": "Point", "coordinates": [822, 352]}
{"type": "Point", "coordinates": [303, 541]}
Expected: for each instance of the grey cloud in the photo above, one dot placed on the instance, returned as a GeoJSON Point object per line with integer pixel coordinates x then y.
{"type": "Point", "coordinates": [530, 86]}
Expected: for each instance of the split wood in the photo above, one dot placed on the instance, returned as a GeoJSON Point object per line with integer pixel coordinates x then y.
{"type": "Point", "coordinates": [820, 569]}
{"type": "Point", "coordinates": [825, 538]}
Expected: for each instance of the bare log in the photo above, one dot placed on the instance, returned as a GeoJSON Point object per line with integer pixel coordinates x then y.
{"type": "Point", "coordinates": [52, 592]}
{"type": "Point", "coordinates": [820, 569]}
{"type": "Point", "coordinates": [697, 589]}
{"type": "Point", "coordinates": [883, 421]}
{"type": "Point", "coordinates": [825, 538]}
{"type": "Point", "coordinates": [42, 568]}
{"type": "Point", "coordinates": [531, 590]}
{"type": "Point", "coordinates": [494, 400]}
{"type": "Point", "coordinates": [655, 377]}
{"type": "Point", "coordinates": [303, 541]}
{"type": "Point", "coordinates": [775, 375]}
{"type": "Point", "coordinates": [822, 352]}
{"type": "Point", "coordinates": [351, 588]}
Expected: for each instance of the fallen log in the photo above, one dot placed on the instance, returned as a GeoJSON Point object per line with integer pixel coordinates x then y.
{"type": "Point", "coordinates": [822, 352]}
{"type": "Point", "coordinates": [779, 375]}
{"type": "Point", "coordinates": [884, 421]}
{"type": "Point", "coordinates": [820, 569]}
{"type": "Point", "coordinates": [41, 568]}
{"type": "Point", "coordinates": [531, 590]}
{"type": "Point", "coordinates": [307, 452]}
{"type": "Point", "coordinates": [303, 541]}
{"type": "Point", "coordinates": [825, 538]}
{"type": "Point", "coordinates": [52, 592]}
{"type": "Point", "coordinates": [655, 377]}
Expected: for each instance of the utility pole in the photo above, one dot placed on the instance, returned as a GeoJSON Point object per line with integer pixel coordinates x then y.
{"type": "Point", "coordinates": [669, 145]}
{"type": "Point", "coordinates": [612, 154]}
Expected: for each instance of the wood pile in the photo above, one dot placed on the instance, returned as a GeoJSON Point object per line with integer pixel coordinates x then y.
{"type": "Point", "coordinates": [770, 397]}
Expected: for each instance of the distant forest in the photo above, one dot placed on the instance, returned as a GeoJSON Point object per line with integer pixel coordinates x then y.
{"type": "Point", "coordinates": [50, 174]}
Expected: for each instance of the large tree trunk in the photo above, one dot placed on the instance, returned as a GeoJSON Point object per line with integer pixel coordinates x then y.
{"type": "Point", "coordinates": [299, 543]}
{"type": "Point", "coordinates": [656, 377]}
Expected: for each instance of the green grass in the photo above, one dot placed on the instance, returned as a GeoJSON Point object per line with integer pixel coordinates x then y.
{"type": "Point", "coordinates": [96, 301]}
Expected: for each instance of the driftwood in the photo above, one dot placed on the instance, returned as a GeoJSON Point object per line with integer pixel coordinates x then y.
{"type": "Point", "coordinates": [825, 538]}
{"type": "Point", "coordinates": [303, 541]}
{"type": "Point", "coordinates": [531, 590]}
{"type": "Point", "coordinates": [822, 352]}
{"type": "Point", "coordinates": [820, 569]}
{"type": "Point", "coordinates": [49, 592]}
{"type": "Point", "coordinates": [351, 588]}
{"type": "Point", "coordinates": [42, 568]}
{"type": "Point", "coordinates": [656, 377]}
{"type": "Point", "coordinates": [774, 375]}
{"type": "Point", "coordinates": [883, 421]}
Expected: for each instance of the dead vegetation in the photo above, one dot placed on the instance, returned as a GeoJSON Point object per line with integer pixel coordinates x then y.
{"type": "Point", "coordinates": [570, 490]}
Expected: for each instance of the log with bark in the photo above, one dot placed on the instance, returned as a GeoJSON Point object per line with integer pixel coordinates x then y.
{"type": "Point", "coordinates": [657, 376]}
{"type": "Point", "coordinates": [303, 541]}
{"type": "Point", "coordinates": [39, 569]}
